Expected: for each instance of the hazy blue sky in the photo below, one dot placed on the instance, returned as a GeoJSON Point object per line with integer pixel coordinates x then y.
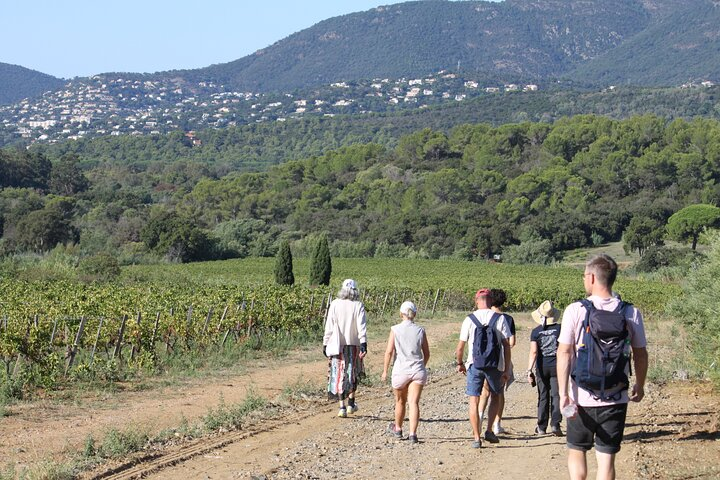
{"type": "Point", "coordinates": [70, 38]}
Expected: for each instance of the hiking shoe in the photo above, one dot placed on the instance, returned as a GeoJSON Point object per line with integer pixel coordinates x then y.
{"type": "Point", "coordinates": [539, 431]}
{"type": "Point", "coordinates": [392, 431]}
{"type": "Point", "coordinates": [476, 444]}
{"type": "Point", "coordinates": [352, 408]}
{"type": "Point", "coordinates": [498, 429]}
{"type": "Point", "coordinates": [413, 438]}
{"type": "Point", "coordinates": [342, 413]}
{"type": "Point", "coordinates": [491, 437]}
{"type": "Point", "coordinates": [556, 431]}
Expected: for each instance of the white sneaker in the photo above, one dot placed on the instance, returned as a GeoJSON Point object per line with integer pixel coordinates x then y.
{"type": "Point", "coordinates": [498, 429]}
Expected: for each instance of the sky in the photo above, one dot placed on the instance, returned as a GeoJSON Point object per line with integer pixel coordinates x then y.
{"type": "Point", "coordinates": [79, 38]}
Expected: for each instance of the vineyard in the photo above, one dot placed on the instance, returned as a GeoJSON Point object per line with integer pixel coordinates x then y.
{"type": "Point", "coordinates": [50, 331]}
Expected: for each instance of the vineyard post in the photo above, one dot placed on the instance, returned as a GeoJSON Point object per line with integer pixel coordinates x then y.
{"type": "Point", "coordinates": [54, 329]}
{"type": "Point", "coordinates": [382, 310]}
{"type": "Point", "coordinates": [437, 293]}
{"type": "Point", "coordinates": [222, 317]}
{"type": "Point", "coordinates": [121, 333]}
{"type": "Point", "coordinates": [19, 360]}
{"type": "Point", "coordinates": [154, 333]}
{"type": "Point", "coordinates": [327, 306]}
{"type": "Point", "coordinates": [136, 348]}
{"type": "Point", "coordinates": [207, 320]}
{"type": "Point", "coordinates": [97, 338]}
{"type": "Point", "coordinates": [73, 351]}
{"type": "Point", "coordinates": [5, 322]}
{"type": "Point", "coordinates": [189, 322]}
{"type": "Point", "coordinates": [35, 320]}
{"type": "Point", "coordinates": [250, 318]}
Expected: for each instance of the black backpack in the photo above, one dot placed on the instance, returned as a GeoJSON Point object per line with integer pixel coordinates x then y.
{"type": "Point", "coordinates": [603, 352]}
{"type": "Point", "coordinates": [486, 345]}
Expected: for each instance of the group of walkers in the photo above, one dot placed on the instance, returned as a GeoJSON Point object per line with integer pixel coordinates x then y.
{"type": "Point", "coordinates": [580, 364]}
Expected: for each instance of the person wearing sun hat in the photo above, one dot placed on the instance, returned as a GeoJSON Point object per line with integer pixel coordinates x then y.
{"type": "Point", "coordinates": [543, 352]}
{"type": "Point", "coordinates": [408, 346]}
{"type": "Point", "coordinates": [346, 332]}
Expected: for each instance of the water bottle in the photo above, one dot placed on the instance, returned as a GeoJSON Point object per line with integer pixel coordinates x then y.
{"type": "Point", "coordinates": [570, 410]}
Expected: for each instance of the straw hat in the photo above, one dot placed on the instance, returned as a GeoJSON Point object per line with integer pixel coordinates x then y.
{"type": "Point", "coordinates": [546, 314]}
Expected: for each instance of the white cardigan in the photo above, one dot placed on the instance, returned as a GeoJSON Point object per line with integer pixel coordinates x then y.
{"type": "Point", "coordinates": [350, 317]}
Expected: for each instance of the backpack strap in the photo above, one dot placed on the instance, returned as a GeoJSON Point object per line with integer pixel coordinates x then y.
{"type": "Point", "coordinates": [475, 320]}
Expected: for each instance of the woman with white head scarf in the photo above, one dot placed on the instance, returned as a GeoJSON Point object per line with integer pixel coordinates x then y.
{"type": "Point", "coordinates": [345, 345]}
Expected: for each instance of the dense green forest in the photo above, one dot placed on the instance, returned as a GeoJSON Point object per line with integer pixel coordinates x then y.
{"type": "Point", "coordinates": [473, 192]}
{"type": "Point", "coordinates": [18, 82]}
{"type": "Point", "coordinates": [257, 146]}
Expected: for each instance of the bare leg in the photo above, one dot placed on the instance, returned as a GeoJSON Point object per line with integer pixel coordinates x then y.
{"type": "Point", "coordinates": [577, 464]}
{"type": "Point", "coordinates": [605, 466]}
{"type": "Point", "coordinates": [501, 407]}
{"type": "Point", "coordinates": [400, 399]}
{"type": "Point", "coordinates": [484, 395]}
{"type": "Point", "coordinates": [474, 416]}
{"type": "Point", "coordinates": [493, 408]}
{"type": "Point", "coordinates": [414, 391]}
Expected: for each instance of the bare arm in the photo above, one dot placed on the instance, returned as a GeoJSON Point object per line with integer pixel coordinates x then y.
{"type": "Point", "coordinates": [640, 360]}
{"type": "Point", "coordinates": [508, 357]}
{"type": "Point", "coordinates": [389, 352]}
{"type": "Point", "coordinates": [459, 357]}
{"type": "Point", "coordinates": [425, 349]}
{"type": "Point", "coordinates": [512, 340]}
{"type": "Point", "coordinates": [564, 354]}
{"type": "Point", "coordinates": [532, 358]}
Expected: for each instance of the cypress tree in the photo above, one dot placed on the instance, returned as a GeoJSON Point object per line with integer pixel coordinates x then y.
{"type": "Point", "coordinates": [321, 266]}
{"type": "Point", "coordinates": [283, 265]}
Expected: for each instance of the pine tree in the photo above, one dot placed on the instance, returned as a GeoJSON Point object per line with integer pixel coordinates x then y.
{"type": "Point", "coordinates": [321, 266]}
{"type": "Point", "coordinates": [283, 265]}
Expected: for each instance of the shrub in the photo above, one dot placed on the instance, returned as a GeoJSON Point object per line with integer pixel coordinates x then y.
{"type": "Point", "coordinates": [697, 309]}
{"type": "Point", "coordinates": [534, 251]}
{"type": "Point", "coordinates": [657, 257]}
{"type": "Point", "coordinates": [101, 267]}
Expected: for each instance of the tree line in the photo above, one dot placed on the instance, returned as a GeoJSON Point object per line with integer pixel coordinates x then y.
{"type": "Point", "coordinates": [473, 192]}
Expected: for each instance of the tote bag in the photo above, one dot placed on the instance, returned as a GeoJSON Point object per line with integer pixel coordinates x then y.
{"type": "Point", "coordinates": [333, 346]}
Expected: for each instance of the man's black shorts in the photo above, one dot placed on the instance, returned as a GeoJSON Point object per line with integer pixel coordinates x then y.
{"type": "Point", "coordinates": [599, 426]}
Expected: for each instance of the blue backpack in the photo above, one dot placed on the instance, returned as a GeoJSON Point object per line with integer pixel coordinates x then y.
{"type": "Point", "coordinates": [603, 352]}
{"type": "Point", "coordinates": [486, 345]}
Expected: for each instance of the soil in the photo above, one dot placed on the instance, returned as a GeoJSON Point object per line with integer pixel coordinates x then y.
{"type": "Point", "coordinates": [671, 434]}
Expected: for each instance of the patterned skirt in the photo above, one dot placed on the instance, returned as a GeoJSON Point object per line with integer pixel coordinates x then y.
{"type": "Point", "coordinates": [344, 372]}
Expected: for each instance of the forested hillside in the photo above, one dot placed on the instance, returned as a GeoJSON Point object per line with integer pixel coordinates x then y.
{"type": "Point", "coordinates": [18, 82]}
{"type": "Point", "coordinates": [469, 193]}
{"type": "Point", "coordinates": [508, 40]}
{"type": "Point", "coordinates": [679, 48]}
{"type": "Point", "coordinates": [656, 42]}
{"type": "Point", "coordinates": [257, 146]}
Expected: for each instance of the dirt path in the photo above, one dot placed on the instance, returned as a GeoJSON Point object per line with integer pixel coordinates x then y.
{"type": "Point", "coordinates": [672, 434]}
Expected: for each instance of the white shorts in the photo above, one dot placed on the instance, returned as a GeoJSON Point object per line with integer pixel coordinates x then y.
{"type": "Point", "coordinates": [400, 380]}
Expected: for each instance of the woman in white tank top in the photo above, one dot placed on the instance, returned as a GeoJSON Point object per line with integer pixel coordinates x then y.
{"type": "Point", "coordinates": [408, 345]}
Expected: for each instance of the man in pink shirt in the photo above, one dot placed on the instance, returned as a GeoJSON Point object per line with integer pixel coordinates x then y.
{"type": "Point", "coordinates": [600, 417]}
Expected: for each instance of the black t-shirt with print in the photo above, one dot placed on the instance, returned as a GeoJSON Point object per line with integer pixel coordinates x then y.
{"type": "Point", "coordinates": [547, 340]}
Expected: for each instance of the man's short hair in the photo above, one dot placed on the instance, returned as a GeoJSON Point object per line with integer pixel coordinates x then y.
{"type": "Point", "coordinates": [604, 268]}
{"type": "Point", "coordinates": [497, 297]}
